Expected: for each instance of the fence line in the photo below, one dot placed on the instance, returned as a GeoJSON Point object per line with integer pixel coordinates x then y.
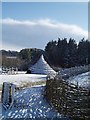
{"type": "Point", "coordinates": [69, 99]}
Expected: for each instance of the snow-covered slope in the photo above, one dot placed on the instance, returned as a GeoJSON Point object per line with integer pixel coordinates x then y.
{"type": "Point", "coordinates": [73, 71]}
{"type": "Point", "coordinates": [82, 79]}
{"type": "Point", "coordinates": [30, 103]}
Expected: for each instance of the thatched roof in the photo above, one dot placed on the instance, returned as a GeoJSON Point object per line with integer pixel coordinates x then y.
{"type": "Point", "coordinates": [41, 67]}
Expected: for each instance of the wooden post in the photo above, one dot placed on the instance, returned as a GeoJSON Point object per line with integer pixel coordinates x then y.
{"type": "Point", "coordinates": [8, 90]}
{"type": "Point", "coordinates": [5, 93]}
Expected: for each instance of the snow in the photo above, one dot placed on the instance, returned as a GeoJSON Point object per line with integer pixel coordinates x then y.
{"type": "Point", "coordinates": [41, 67]}
{"type": "Point", "coordinates": [30, 103]}
{"type": "Point", "coordinates": [73, 71]}
{"type": "Point", "coordinates": [76, 74]}
{"type": "Point", "coordinates": [21, 78]}
{"type": "Point", "coordinates": [82, 79]}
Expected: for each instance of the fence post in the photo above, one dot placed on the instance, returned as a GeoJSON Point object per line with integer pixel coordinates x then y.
{"type": "Point", "coordinates": [7, 97]}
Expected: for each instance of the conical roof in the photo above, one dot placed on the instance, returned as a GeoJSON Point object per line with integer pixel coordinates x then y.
{"type": "Point", "coordinates": [41, 67]}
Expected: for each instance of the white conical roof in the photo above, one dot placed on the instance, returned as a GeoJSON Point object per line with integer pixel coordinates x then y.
{"type": "Point", "coordinates": [41, 67]}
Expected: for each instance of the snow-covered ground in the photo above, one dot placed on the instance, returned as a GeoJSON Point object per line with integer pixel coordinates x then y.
{"type": "Point", "coordinates": [21, 78]}
{"type": "Point", "coordinates": [82, 79]}
{"type": "Point", "coordinates": [30, 103]}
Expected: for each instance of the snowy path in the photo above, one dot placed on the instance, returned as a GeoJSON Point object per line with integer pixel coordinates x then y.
{"type": "Point", "coordinates": [33, 105]}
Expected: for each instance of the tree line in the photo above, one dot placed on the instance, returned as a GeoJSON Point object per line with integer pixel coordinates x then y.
{"type": "Point", "coordinates": [67, 53]}
{"type": "Point", "coordinates": [61, 53]}
{"type": "Point", "coordinates": [22, 60]}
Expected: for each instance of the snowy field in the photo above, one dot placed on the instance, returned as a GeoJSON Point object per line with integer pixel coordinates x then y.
{"type": "Point", "coordinates": [21, 78]}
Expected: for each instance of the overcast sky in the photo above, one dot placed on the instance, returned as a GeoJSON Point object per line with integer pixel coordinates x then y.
{"type": "Point", "coordinates": [34, 24]}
